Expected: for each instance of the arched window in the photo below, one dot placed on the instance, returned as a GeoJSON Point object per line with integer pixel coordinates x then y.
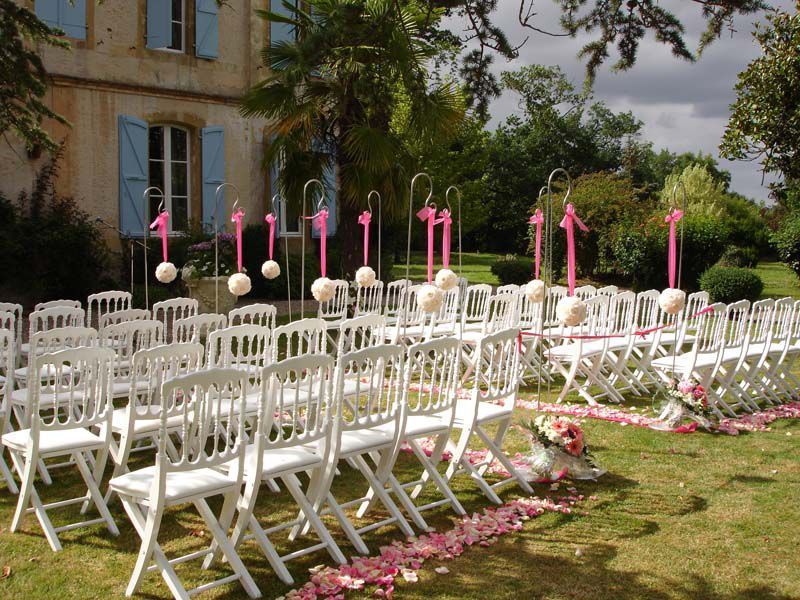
{"type": "Point", "coordinates": [169, 170]}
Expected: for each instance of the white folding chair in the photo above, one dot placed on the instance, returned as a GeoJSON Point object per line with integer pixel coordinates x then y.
{"type": "Point", "coordinates": [103, 303]}
{"type": "Point", "coordinates": [7, 358]}
{"type": "Point", "coordinates": [447, 318]}
{"type": "Point", "coordinates": [411, 324]}
{"type": "Point", "coordinates": [125, 339]}
{"type": "Point", "coordinates": [334, 311]}
{"type": "Point", "coordinates": [52, 318]}
{"type": "Point", "coordinates": [122, 316]}
{"type": "Point", "coordinates": [781, 372]}
{"type": "Point", "coordinates": [243, 347]}
{"type": "Point", "coordinates": [369, 300]}
{"type": "Point", "coordinates": [57, 304]}
{"type": "Point", "coordinates": [619, 345]}
{"type": "Point", "coordinates": [491, 402]}
{"type": "Point", "coordinates": [263, 315]}
{"type": "Point", "coordinates": [16, 309]}
{"type": "Point", "coordinates": [210, 462]}
{"type": "Point", "coordinates": [509, 288]}
{"type": "Point", "coordinates": [77, 383]}
{"type": "Point", "coordinates": [734, 346]}
{"type": "Point", "coordinates": [198, 327]}
{"type": "Point", "coordinates": [169, 311]}
{"type": "Point", "coordinates": [584, 292]}
{"type": "Point", "coordinates": [608, 290]}
{"type": "Point", "coordinates": [758, 340]}
{"type": "Point", "coordinates": [395, 299]}
{"type": "Point", "coordinates": [779, 348]}
{"type": "Point", "coordinates": [473, 309]}
{"type": "Point", "coordinates": [530, 321]}
{"type": "Point", "coordinates": [500, 314]}
{"type": "Point", "coordinates": [304, 336]}
{"type": "Point", "coordinates": [360, 332]}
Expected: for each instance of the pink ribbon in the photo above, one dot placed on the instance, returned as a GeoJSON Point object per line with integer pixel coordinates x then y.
{"type": "Point", "coordinates": [568, 223]}
{"type": "Point", "coordinates": [364, 219]}
{"type": "Point", "coordinates": [446, 221]}
{"type": "Point", "coordinates": [160, 223]}
{"type": "Point", "coordinates": [320, 220]}
{"type": "Point", "coordinates": [428, 213]}
{"type": "Point", "coordinates": [672, 255]}
{"type": "Point", "coordinates": [537, 218]}
{"type": "Point", "coordinates": [270, 218]}
{"type": "Point", "coordinates": [237, 218]}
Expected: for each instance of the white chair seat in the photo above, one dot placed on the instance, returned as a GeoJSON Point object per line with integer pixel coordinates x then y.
{"type": "Point", "coordinates": [704, 360]}
{"type": "Point", "coordinates": [59, 441]}
{"type": "Point", "coordinates": [123, 388]}
{"type": "Point", "coordinates": [21, 374]}
{"type": "Point", "coordinates": [417, 425]}
{"type": "Point", "coordinates": [364, 440]}
{"type": "Point", "coordinates": [20, 396]}
{"type": "Point", "coordinates": [179, 484]}
{"type": "Point", "coordinates": [487, 411]}
{"type": "Point", "coordinates": [282, 460]}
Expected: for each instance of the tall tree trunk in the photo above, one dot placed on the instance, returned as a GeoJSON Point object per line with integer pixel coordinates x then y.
{"type": "Point", "coordinates": [350, 235]}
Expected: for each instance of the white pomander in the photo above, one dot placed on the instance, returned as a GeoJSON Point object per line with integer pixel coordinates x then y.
{"type": "Point", "coordinates": [270, 269]}
{"type": "Point", "coordinates": [239, 284]}
{"type": "Point", "coordinates": [166, 272]}
{"type": "Point", "coordinates": [429, 298]}
{"type": "Point", "coordinates": [571, 311]}
{"type": "Point", "coordinates": [672, 301]}
{"type": "Point", "coordinates": [365, 276]}
{"type": "Point", "coordinates": [534, 291]}
{"type": "Point", "coordinates": [446, 279]}
{"type": "Point", "coordinates": [322, 289]}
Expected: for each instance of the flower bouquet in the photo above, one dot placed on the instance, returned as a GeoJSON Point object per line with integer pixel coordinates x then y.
{"type": "Point", "coordinates": [558, 449]}
{"type": "Point", "coordinates": [685, 399]}
{"type": "Point", "coordinates": [201, 261]}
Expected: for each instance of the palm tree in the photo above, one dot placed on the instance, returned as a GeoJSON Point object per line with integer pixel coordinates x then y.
{"type": "Point", "coordinates": [353, 89]}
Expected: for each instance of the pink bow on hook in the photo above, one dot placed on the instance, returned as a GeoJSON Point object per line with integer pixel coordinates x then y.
{"type": "Point", "coordinates": [270, 219]}
{"type": "Point", "coordinates": [320, 221]}
{"type": "Point", "coordinates": [446, 221]}
{"type": "Point", "coordinates": [237, 217]}
{"type": "Point", "coordinates": [364, 219]}
{"type": "Point", "coordinates": [568, 223]}
{"type": "Point", "coordinates": [537, 218]}
{"type": "Point", "coordinates": [428, 213]}
{"type": "Point", "coordinates": [672, 218]}
{"type": "Point", "coordinates": [160, 223]}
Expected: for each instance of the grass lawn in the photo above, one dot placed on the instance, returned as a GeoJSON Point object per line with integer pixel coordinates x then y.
{"type": "Point", "coordinates": [677, 516]}
{"type": "Point", "coordinates": [779, 280]}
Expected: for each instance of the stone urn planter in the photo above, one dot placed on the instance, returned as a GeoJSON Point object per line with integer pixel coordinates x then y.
{"type": "Point", "coordinates": [202, 290]}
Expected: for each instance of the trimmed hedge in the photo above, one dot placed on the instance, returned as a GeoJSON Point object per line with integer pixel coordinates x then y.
{"type": "Point", "coordinates": [511, 269]}
{"type": "Point", "coordinates": [739, 256]}
{"type": "Point", "coordinates": [729, 284]}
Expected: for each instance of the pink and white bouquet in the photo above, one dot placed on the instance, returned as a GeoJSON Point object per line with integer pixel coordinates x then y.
{"type": "Point", "coordinates": [558, 445]}
{"type": "Point", "coordinates": [686, 399]}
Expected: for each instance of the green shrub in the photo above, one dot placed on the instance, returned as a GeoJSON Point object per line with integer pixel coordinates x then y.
{"type": "Point", "coordinates": [729, 284]}
{"type": "Point", "coordinates": [511, 269]}
{"type": "Point", "coordinates": [786, 241]}
{"type": "Point", "coordinates": [739, 256]}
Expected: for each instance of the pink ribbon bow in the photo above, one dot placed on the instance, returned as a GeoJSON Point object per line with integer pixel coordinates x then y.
{"type": "Point", "coordinates": [364, 219]}
{"type": "Point", "coordinates": [568, 223]}
{"type": "Point", "coordinates": [446, 221]}
{"type": "Point", "coordinates": [537, 218]}
{"type": "Point", "coordinates": [270, 218]}
{"type": "Point", "coordinates": [428, 213]}
{"type": "Point", "coordinates": [237, 217]}
{"type": "Point", "coordinates": [672, 218]}
{"type": "Point", "coordinates": [320, 221]}
{"type": "Point", "coordinates": [160, 224]}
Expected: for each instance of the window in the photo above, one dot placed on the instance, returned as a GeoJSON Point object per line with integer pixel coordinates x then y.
{"type": "Point", "coordinates": [290, 220]}
{"type": "Point", "coordinates": [178, 25]}
{"type": "Point", "coordinates": [68, 16]}
{"type": "Point", "coordinates": [166, 25]}
{"type": "Point", "coordinates": [169, 170]}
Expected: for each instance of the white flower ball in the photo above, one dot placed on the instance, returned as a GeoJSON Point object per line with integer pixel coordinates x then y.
{"type": "Point", "coordinates": [672, 301]}
{"type": "Point", "coordinates": [571, 311]}
{"type": "Point", "coordinates": [270, 269]}
{"type": "Point", "coordinates": [166, 272]}
{"type": "Point", "coordinates": [365, 276]}
{"type": "Point", "coordinates": [322, 289]}
{"type": "Point", "coordinates": [429, 298]}
{"type": "Point", "coordinates": [534, 290]}
{"type": "Point", "coordinates": [239, 284]}
{"type": "Point", "coordinates": [446, 279]}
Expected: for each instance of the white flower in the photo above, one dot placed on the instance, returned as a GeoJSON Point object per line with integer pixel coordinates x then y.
{"type": "Point", "coordinates": [188, 272]}
{"type": "Point", "coordinates": [446, 279]}
{"type": "Point", "coordinates": [166, 272]}
{"type": "Point", "coordinates": [672, 301]}
{"type": "Point", "coordinates": [429, 298]}
{"type": "Point", "coordinates": [322, 289]}
{"type": "Point", "coordinates": [270, 269]}
{"type": "Point", "coordinates": [239, 284]}
{"type": "Point", "coordinates": [365, 276]}
{"type": "Point", "coordinates": [571, 311]}
{"type": "Point", "coordinates": [534, 290]}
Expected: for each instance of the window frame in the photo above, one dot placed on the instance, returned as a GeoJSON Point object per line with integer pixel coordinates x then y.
{"type": "Point", "coordinates": [284, 222]}
{"type": "Point", "coordinates": [167, 162]}
{"type": "Point", "coordinates": [182, 49]}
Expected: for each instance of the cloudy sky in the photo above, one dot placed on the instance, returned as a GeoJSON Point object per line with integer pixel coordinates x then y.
{"type": "Point", "coordinates": [684, 105]}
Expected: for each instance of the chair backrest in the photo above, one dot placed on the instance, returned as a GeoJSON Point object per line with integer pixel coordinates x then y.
{"type": "Point", "coordinates": [648, 311]}
{"type": "Point", "coordinates": [529, 313]}
{"type": "Point", "coordinates": [710, 329]}
{"type": "Point", "coordinates": [304, 336]}
{"type": "Point", "coordinates": [206, 404]}
{"type": "Point", "coordinates": [554, 294]}
{"type": "Point", "coordinates": [7, 362]}
{"type": "Point", "coordinates": [608, 290]}
{"type": "Point", "coordinates": [369, 300]}
{"type": "Point", "coordinates": [16, 309]}
{"type": "Point", "coordinates": [431, 377]}
{"type": "Point", "coordinates": [463, 284]}
{"type": "Point", "coordinates": [447, 316]}
{"type": "Point", "coordinates": [596, 321]}
{"type": "Point", "coordinates": [121, 316]}
{"type": "Point", "coordinates": [336, 307]}
{"type": "Point", "coordinates": [584, 292]}
{"type": "Point", "coordinates": [127, 338]}
{"type": "Point", "coordinates": [501, 312]}
{"type": "Point", "coordinates": [736, 315]}
{"type": "Point", "coordinates": [360, 332]}
{"type": "Point", "coordinates": [153, 366]}
{"type": "Point", "coordinates": [169, 311]}
{"type": "Point", "coordinates": [377, 374]}
{"type": "Point", "coordinates": [509, 288]}
{"type": "Point", "coordinates": [782, 321]}
{"type": "Point", "coordinates": [497, 372]}
{"type": "Point", "coordinates": [621, 313]}
{"type": "Point", "coordinates": [54, 318]}
{"type": "Point", "coordinates": [395, 294]}
{"type": "Point", "coordinates": [106, 302]}
{"type": "Point", "coordinates": [244, 347]}
{"type": "Point", "coordinates": [60, 338]}
{"type": "Point", "coordinates": [263, 315]}
{"type": "Point", "coordinates": [476, 303]}
{"type": "Point", "coordinates": [8, 320]}
{"type": "Point", "coordinates": [78, 383]}
{"type": "Point", "coordinates": [794, 328]}
{"type": "Point", "coordinates": [198, 327]}
{"type": "Point", "coordinates": [57, 304]}
{"type": "Point", "coordinates": [759, 327]}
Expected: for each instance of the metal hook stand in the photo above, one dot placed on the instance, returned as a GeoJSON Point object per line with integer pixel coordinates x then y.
{"type": "Point", "coordinates": [683, 208]}
{"type": "Point", "coordinates": [323, 201]}
{"type": "Point", "coordinates": [408, 237]}
{"type": "Point", "coordinates": [453, 188]}
{"type": "Point", "coordinates": [145, 233]}
{"type": "Point", "coordinates": [277, 205]}
{"type": "Point", "coordinates": [380, 223]}
{"type": "Point", "coordinates": [217, 198]}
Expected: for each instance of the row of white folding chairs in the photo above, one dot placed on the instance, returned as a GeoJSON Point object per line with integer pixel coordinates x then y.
{"type": "Point", "coordinates": [303, 424]}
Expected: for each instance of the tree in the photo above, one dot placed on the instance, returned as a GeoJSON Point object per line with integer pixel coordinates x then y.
{"type": "Point", "coordinates": [704, 195]}
{"type": "Point", "coordinates": [332, 97]}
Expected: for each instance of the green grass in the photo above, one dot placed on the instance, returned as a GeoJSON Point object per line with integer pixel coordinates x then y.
{"type": "Point", "coordinates": [677, 516]}
{"type": "Point", "coordinates": [474, 266]}
{"type": "Point", "coordinates": [779, 280]}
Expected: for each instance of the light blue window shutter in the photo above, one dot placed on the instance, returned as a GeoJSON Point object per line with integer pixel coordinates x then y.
{"type": "Point", "coordinates": [47, 11]}
{"type": "Point", "coordinates": [159, 23]}
{"type": "Point", "coordinates": [206, 29]}
{"type": "Point", "coordinates": [281, 32]}
{"type": "Point", "coordinates": [213, 149]}
{"type": "Point", "coordinates": [132, 174]}
{"type": "Point", "coordinates": [72, 18]}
